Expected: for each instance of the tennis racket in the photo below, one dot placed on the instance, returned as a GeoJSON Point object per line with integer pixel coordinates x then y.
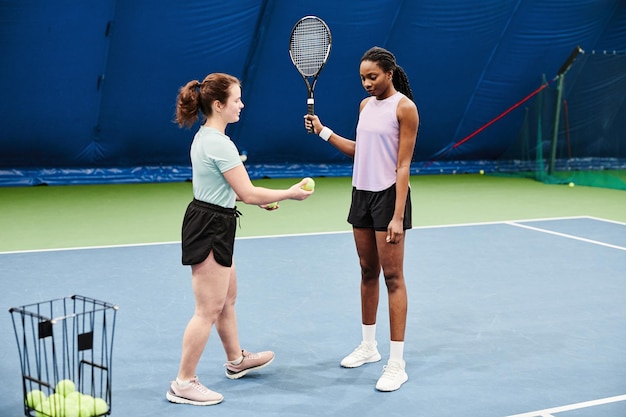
{"type": "Point", "coordinates": [309, 48]}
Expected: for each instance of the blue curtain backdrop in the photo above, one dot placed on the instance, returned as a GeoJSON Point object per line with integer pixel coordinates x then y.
{"type": "Point", "coordinates": [88, 88]}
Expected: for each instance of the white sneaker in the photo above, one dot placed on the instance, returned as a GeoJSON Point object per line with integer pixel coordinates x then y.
{"type": "Point", "coordinates": [364, 353]}
{"type": "Point", "coordinates": [393, 376]}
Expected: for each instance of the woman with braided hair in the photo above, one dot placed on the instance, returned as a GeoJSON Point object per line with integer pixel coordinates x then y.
{"type": "Point", "coordinates": [380, 211]}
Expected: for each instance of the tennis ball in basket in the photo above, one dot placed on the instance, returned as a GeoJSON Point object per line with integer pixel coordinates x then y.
{"type": "Point", "coordinates": [43, 409]}
{"type": "Point", "coordinates": [309, 185]}
{"type": "Point", "coordinates": [84, 411]}
{"type": "Point", "coordinates": [88, 402]}
{"type": "Point", "coordinates": [74, 396]}
{"type": "Point", "coordinates": [71, 409]}
{"type": "Point", "coordinates": [64, 387]}
{"type": "Point", "coordinates": [100, 406]}
{"type": "Point", "coordinates": [57, 405]}
{"type": "Point", "coordinates": [34, 398]}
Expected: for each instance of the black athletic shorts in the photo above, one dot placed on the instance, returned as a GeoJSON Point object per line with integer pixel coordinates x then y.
{"type": "Point", "coordinates": [206, 228]}
{"type": "Point", "coordinates": [374, 209]}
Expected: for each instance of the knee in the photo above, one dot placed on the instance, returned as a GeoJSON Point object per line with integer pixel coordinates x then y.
{"type": "Point", "coordinates": [229, 303]}
{"type": "Point", "coordinates": [394, 280]}
{"type": "Point", "coordinates": [369, 275]}
{"type": "Point", "coordinates": [209, 313]}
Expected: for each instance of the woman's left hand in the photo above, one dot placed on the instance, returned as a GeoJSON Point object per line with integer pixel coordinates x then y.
{"type": "Point", "coordinates": [270, 207]}
{"type": "Point", "coordinates": [395, 232]}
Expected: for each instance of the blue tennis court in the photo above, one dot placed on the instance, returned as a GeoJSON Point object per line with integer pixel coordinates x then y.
{"type": "Point", "coordinates": [522, 318]}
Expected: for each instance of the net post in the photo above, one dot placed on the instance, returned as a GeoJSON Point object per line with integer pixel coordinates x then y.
{"type": "Point", "coordinates": [539, 167]}
{"type": "Point", "coordinates": [555, 127]}
{"type": "Point", "coordinates": [557, 112]}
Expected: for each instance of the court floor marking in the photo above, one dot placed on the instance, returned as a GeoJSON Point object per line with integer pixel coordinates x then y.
{"type": "Point", "coordinates": [443, 226]}
{"type": "Point", "coordinates": [551, 232]}
{"type": "Point", "coordinates": [606, 220]}
{"type": "Point", "coordinates": [548, 412]}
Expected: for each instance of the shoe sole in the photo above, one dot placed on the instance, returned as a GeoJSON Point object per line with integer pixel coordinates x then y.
{"type": "Point", "coordinates": [173, 398]}
{"type": "Point", "coordinates": [406, 378]}
{"type": "Point", "coordinates": [243, 373]}
{"type": "Point", "coordinates": [375, 358]}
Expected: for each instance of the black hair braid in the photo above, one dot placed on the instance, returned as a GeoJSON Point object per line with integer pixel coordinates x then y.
{"type": "Point", "coordinates": [401, 82]}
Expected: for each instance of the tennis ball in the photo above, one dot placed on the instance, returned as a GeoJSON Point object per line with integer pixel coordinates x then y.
{"type": "Point", "coordinates": [72, 408]}
{"type": "Point", "coordinates": [482, 172]}
{"type": "Point", "coordinates": [100, 407]}
{"type": "Point", "coordinates": [34, 398]}
{"type": "Point", "coordinates": [57, 405]}
{"type": "Point", "coordinates": [88, 401]}
{"type": "Point", "coordinates": [74, 396]}
{"type": "Point", "coordinates": [84, 410]}
{"type": "Point", "coordinates": [64, 387]}
{"type": "Point", "coordinates": [272, 205]}
{"type": "Point", "coordinates": [43, 409]}
{"type": "Point", "coordinates": [310, 185]}
{"type": "Point", "coordinates": [571, 184]}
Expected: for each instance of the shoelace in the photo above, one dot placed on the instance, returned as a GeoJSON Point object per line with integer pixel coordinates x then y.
{"type": "Point", "coordinates": [390, 371]}
{"type": "Point", "coordinates": [198, 386]}
{"type": "Point", "coordinates": [244, 354]}
{"type": "Point", "coordinates": [363, 351]}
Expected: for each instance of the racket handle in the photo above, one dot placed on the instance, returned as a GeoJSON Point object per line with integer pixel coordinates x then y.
{"type": "Point", "coordinates": [311, 107]}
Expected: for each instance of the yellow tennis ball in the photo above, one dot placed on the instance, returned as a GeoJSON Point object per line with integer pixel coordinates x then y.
{"type": "Point", "coordinates": [64, 387]}
{"type": "Point", "coordinates": [34, 398]}
{"type": "Point", "coordinates": [100, 406]}
{"type": "Point", "coordinates": [272, 205]}
{"type": "Point", "coordinates": [571, 184]}
{"type": "Point", "coordinates": [482, 172]}
{"type": "Point", "coordinates": [43, 409]}
{"type": "Point", "coordinates": [71, 408]}
{"type": "Point", "coordinates": [309, 185]}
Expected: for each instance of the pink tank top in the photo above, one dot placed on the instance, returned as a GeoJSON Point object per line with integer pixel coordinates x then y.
{"type": "Point", "coordinates": [377, 138]}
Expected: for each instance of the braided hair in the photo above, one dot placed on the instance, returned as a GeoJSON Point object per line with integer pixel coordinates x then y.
{"type": "Point", "coordinates": [387, 61]}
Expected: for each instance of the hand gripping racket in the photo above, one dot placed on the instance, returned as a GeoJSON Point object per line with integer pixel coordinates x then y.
{"type": "Point", "coordinates": [309, 48]}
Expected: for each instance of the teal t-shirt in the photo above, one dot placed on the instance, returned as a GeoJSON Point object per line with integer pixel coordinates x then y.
{"type": "Point", "coordinates": [212, 154]}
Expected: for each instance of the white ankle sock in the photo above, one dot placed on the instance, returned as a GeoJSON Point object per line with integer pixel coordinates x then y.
{"type": "Point", "coordinates": [396, 351]}
{"type": "Point", "coordinates": [237, 361]}
{"type": "Point", "coordinates": [182, 383]}
{"type": "Point", "coordinates": [369, 333]}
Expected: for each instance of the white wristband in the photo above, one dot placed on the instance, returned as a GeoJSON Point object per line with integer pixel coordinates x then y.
{"type": "Point", "coordinates": [325, 133]}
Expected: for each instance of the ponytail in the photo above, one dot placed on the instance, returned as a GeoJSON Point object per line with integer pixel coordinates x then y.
{"type": "Point", "coordinates": [401, 82]}
{"type": "Point", "coordinates": [195, 99]}
{"type": "Point", "coordinates": [187, 104]}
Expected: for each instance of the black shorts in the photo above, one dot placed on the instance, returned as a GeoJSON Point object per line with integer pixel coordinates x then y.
{"type": "Point", "coordinates": [374, 209]}
{"type": "Point", "coordinates": [206, 228]}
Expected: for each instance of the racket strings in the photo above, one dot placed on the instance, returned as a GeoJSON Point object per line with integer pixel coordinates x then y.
{"type": "Point", "coordinates": [309, 46]}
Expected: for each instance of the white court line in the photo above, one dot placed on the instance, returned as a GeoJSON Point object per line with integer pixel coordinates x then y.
{"type": "Point", "coordinates": [549, 411]}
{"type": "Point", "coordinates": [606, 220]}
{"type": "Point", "coordinates": [582, 239]}
{"type": "Point", "coordinates": [443, 226]}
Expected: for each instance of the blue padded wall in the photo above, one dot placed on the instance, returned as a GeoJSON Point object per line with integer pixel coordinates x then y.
{"type": "Point", "coordinates": [89, 88]}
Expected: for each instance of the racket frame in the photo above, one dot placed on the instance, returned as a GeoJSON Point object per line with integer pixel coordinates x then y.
{"type": "Point", "coordinates": [310, 80]}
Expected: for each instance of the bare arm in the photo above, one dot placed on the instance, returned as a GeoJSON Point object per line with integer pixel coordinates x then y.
{"type": "Point", "coordinates": [409, 123]}
{"type": "Point", "coordinates": [247, 192]}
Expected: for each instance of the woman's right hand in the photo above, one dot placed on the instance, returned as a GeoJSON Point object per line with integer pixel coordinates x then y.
{"type": "Point", "coordinates": [299, 193]}
{"type": "Point", "coordinates": [313, 120]}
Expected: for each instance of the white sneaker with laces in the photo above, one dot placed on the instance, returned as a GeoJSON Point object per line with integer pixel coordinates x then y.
{"type": "Point", "coordinates": [393, 376]}
{"type": "Point", "coordinates": [364, 353]}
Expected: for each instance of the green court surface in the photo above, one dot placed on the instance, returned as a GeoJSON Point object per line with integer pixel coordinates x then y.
{"type": "Point", "coordinates": [52, 217]}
